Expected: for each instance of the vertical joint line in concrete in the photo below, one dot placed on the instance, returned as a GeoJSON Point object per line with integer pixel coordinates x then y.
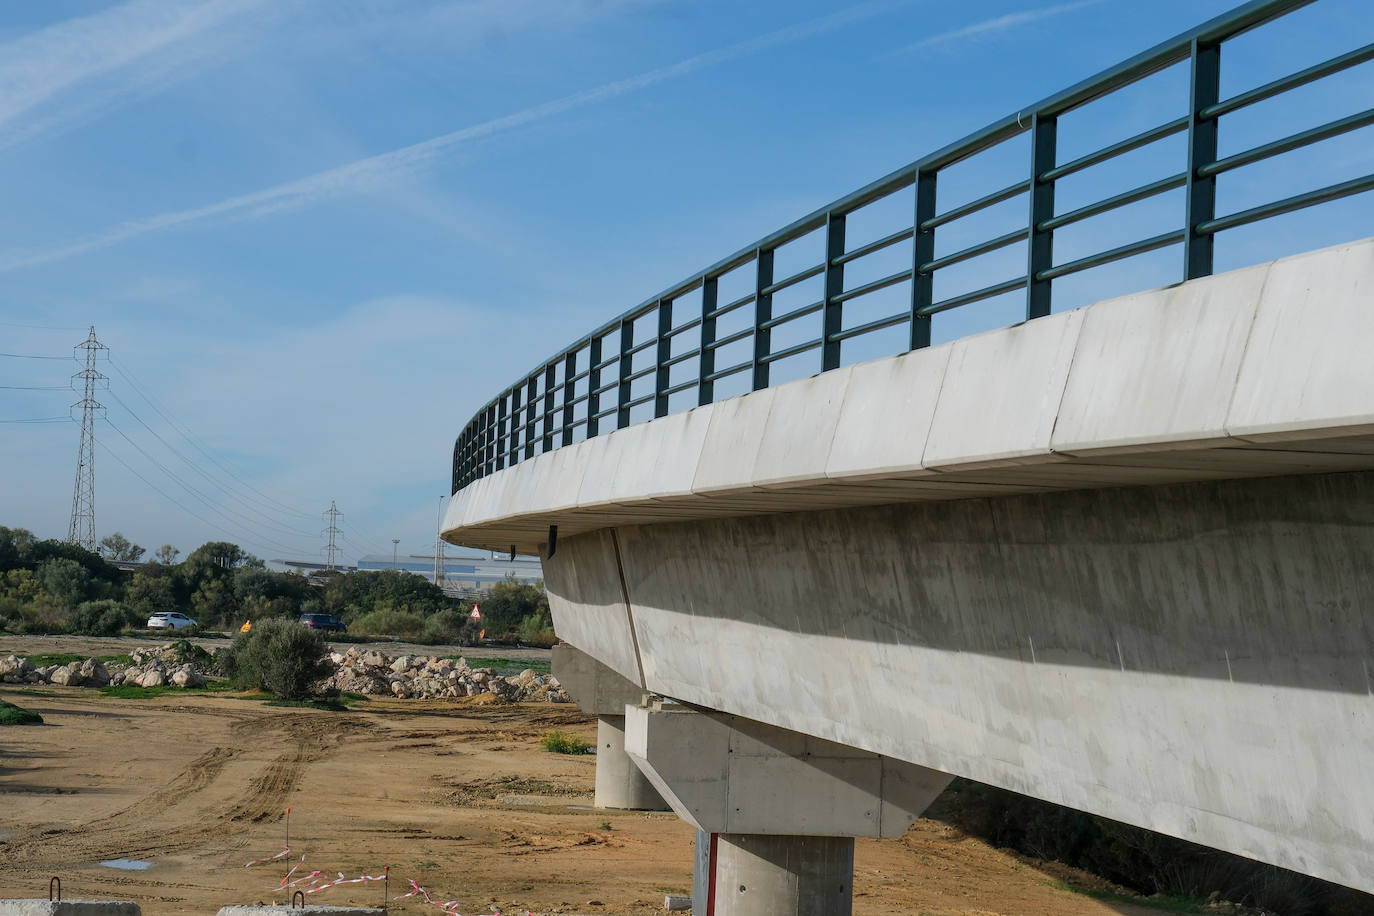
{"type": "Point", "coordinates": [629, 612]}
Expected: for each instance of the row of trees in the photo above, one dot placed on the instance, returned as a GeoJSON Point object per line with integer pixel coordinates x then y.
{"type": "Point", "coordinates": [49, 586]}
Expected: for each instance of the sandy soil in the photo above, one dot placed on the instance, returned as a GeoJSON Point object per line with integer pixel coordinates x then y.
{"type": "Point", "coordinates": [456, 794]}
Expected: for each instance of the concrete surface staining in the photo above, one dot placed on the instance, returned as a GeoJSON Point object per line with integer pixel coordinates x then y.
{"type": "Point", "coordinates": [1115, 558]}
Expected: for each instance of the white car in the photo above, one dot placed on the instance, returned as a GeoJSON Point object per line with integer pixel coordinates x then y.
{"type": "Point", "coordinates": [169, 620]}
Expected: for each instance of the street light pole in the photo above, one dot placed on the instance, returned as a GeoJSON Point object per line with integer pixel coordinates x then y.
{"type": "Point", "coordinates": [394, 543]}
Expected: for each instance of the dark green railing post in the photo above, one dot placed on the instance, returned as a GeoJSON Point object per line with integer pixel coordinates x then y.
{"type": "Point", "coordinates": [832, 311]}
{"type": "Point", "coordinates": [1040, 249]}
{"type": "Point", "coordinates": [501, 433]}
{"type": "Point", "coordinates": [489, 439]}
{"type": "Point", "coordinates": [923, 252]}
{"type": "Point", "coordinates": [458, 481]}
{"type": "Point", "coordinates": [763, 311]}
{"type": "Point", "coordinates": [569, 392]}
{"type": "Point", "coordinates": [706, 361]}
{"type": "Point", "coordinates": [593, 385]}
{"type": "Point", "coordinates": [626, 366]}
{"type": "Point", "coordinates": [515, 426]}
{"type": "Point", "coordinates": [1204, 90]}
{"type": "Point", "coordinates": [550, 383]}
{"type": "Point", "coordinates": [531, 404]}
{"type": "Point", "coordinates": [663, 354]}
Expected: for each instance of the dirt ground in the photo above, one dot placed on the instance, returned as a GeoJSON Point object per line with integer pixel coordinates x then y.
{"type": "Point", "coordinates": [455, 794]}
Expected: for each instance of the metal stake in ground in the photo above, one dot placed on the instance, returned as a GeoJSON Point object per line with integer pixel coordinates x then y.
{"type": "Point", "coordinates": [288, 828]}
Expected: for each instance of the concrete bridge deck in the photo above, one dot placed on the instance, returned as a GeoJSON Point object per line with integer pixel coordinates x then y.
{"type": "Point", "coordinates": [1257, 372]}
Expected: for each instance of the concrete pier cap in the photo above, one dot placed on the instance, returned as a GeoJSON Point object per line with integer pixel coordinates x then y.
{"type": "Point", "coordinates": [730, 775]}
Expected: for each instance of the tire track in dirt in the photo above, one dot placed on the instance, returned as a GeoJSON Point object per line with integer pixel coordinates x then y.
{"type": "Point", "coordinates": [132, 832]}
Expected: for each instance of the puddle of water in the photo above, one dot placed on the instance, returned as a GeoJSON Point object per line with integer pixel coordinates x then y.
{"type": "Point", "coordinates": [580, 808]}
{"type": "Point", "coordinates": [127, 864]}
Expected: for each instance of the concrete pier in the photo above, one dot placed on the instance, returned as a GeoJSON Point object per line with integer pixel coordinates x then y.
{"type": "Point", "coordinates": [776, 811]}
{"type": "Point", "coordinates": [603, 693]}
{"type": "Point", "coordinates": [619, 783]}
{"type": "Point", "coordinates": [758, 875]}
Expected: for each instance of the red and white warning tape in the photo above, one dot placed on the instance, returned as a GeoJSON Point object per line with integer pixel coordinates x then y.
{"type": "Point", "coordinates": [315, 882]}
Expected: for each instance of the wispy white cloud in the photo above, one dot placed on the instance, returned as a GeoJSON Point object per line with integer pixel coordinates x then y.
{"type": "Point", "coordinates": [993, 26]}
{"type": "Point", "coordinates": [75, 61]}
{"type": "Point", "coordinates": [376, 172]}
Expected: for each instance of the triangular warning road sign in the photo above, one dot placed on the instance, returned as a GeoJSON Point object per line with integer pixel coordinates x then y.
{"type": "Point", "coordinates": [475, 613]}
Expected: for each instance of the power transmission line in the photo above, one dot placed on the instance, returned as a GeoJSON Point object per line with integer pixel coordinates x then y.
{"type": "Point", "coordinates": [38, 420]}
{"type": "Point", "coordinates": [36, 387]}
{"type": "Point", "coordinates": [246, 524]}
{"type": "Point", "coordinates": [220, 528]}
{"type": "Point", "coordinates": [28, 356]}
{"type": "Point", "coordinates": [258, 517]}
{"type": "Point", "coordinates": [185, 433]}
{"type": "Point", "coordinates": [81, 529]}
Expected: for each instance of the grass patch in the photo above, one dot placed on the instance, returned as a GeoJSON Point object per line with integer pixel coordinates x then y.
{"type": "Point", "coordinates": [55, 658]}
{"type": "Point", "coordinates": [556, 742]}
{"type": "Point", "coordinates": [14, 715]}
{"type": "Point", "coordinates": [135, 692]}
{"type": "Point", "coordinates": [1166, 902]}
{"type": "Point", "coordinates": [507, 665]}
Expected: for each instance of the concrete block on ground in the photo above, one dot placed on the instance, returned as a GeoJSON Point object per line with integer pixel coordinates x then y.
{"type": "Point", "coordinates": [1158, 368]}
{"type": "Point", "coordinates": [1001, 394]}
{"type": "Point", "coordinates": [41, 906]}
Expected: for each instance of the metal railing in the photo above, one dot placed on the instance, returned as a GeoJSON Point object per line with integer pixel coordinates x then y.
{"type": "Point", "coordinates": [594, 384]}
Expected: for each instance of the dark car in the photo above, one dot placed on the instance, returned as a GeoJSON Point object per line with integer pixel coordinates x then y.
{"type": "Point", "coordinates": [324, 622]}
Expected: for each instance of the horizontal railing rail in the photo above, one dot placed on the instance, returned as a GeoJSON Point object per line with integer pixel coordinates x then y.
{"type": "Point", "coordinates": [640, 357]}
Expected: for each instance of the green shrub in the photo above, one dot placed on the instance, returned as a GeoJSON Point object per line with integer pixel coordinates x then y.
{"type": "Point", "coordinates": [557, 742]}
{"type": "Point", "coordinates": [101, 618]}
{"type": "Point", "coordinates": [13, 715]}
{"type": "Point", "coordinates": [450, 628]}
{"type": "Point", "coordinates": [279, 656]}
{"type": "Point", "coordinates": [387, 623]}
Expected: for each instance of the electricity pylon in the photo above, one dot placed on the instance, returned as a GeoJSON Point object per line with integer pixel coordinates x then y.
{"type": "Point", "coordinates": [81, 530]}
{"type": "Point", "coordinates": [333, 515]}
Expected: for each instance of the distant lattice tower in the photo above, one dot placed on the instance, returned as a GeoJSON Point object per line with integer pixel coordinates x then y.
{"type": "Point", "coordinates": [81, 530]}
{"type": "Point", "coordinates": [332, 515]}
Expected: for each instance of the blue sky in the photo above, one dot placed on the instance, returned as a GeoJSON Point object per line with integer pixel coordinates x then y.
{"type": "Point", "coordinates": [318, 234]}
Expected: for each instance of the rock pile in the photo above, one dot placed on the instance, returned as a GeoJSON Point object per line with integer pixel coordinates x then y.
{"type": "Point", "coordinates": [422, 677]}
{"type": "Point", "coordinates": [370, 673]}
{"type": "Point", "coordinates": [156, 667]}
{"type": "Point", "coordinates": [90, 673]}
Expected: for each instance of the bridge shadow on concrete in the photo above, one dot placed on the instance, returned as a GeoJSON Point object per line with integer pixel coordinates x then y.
{"type": "Point", "coordinates": [1265, 581]}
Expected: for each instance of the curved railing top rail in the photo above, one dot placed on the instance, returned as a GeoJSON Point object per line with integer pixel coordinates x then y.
{"type": "Point", "coordinates": [655, 366]}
